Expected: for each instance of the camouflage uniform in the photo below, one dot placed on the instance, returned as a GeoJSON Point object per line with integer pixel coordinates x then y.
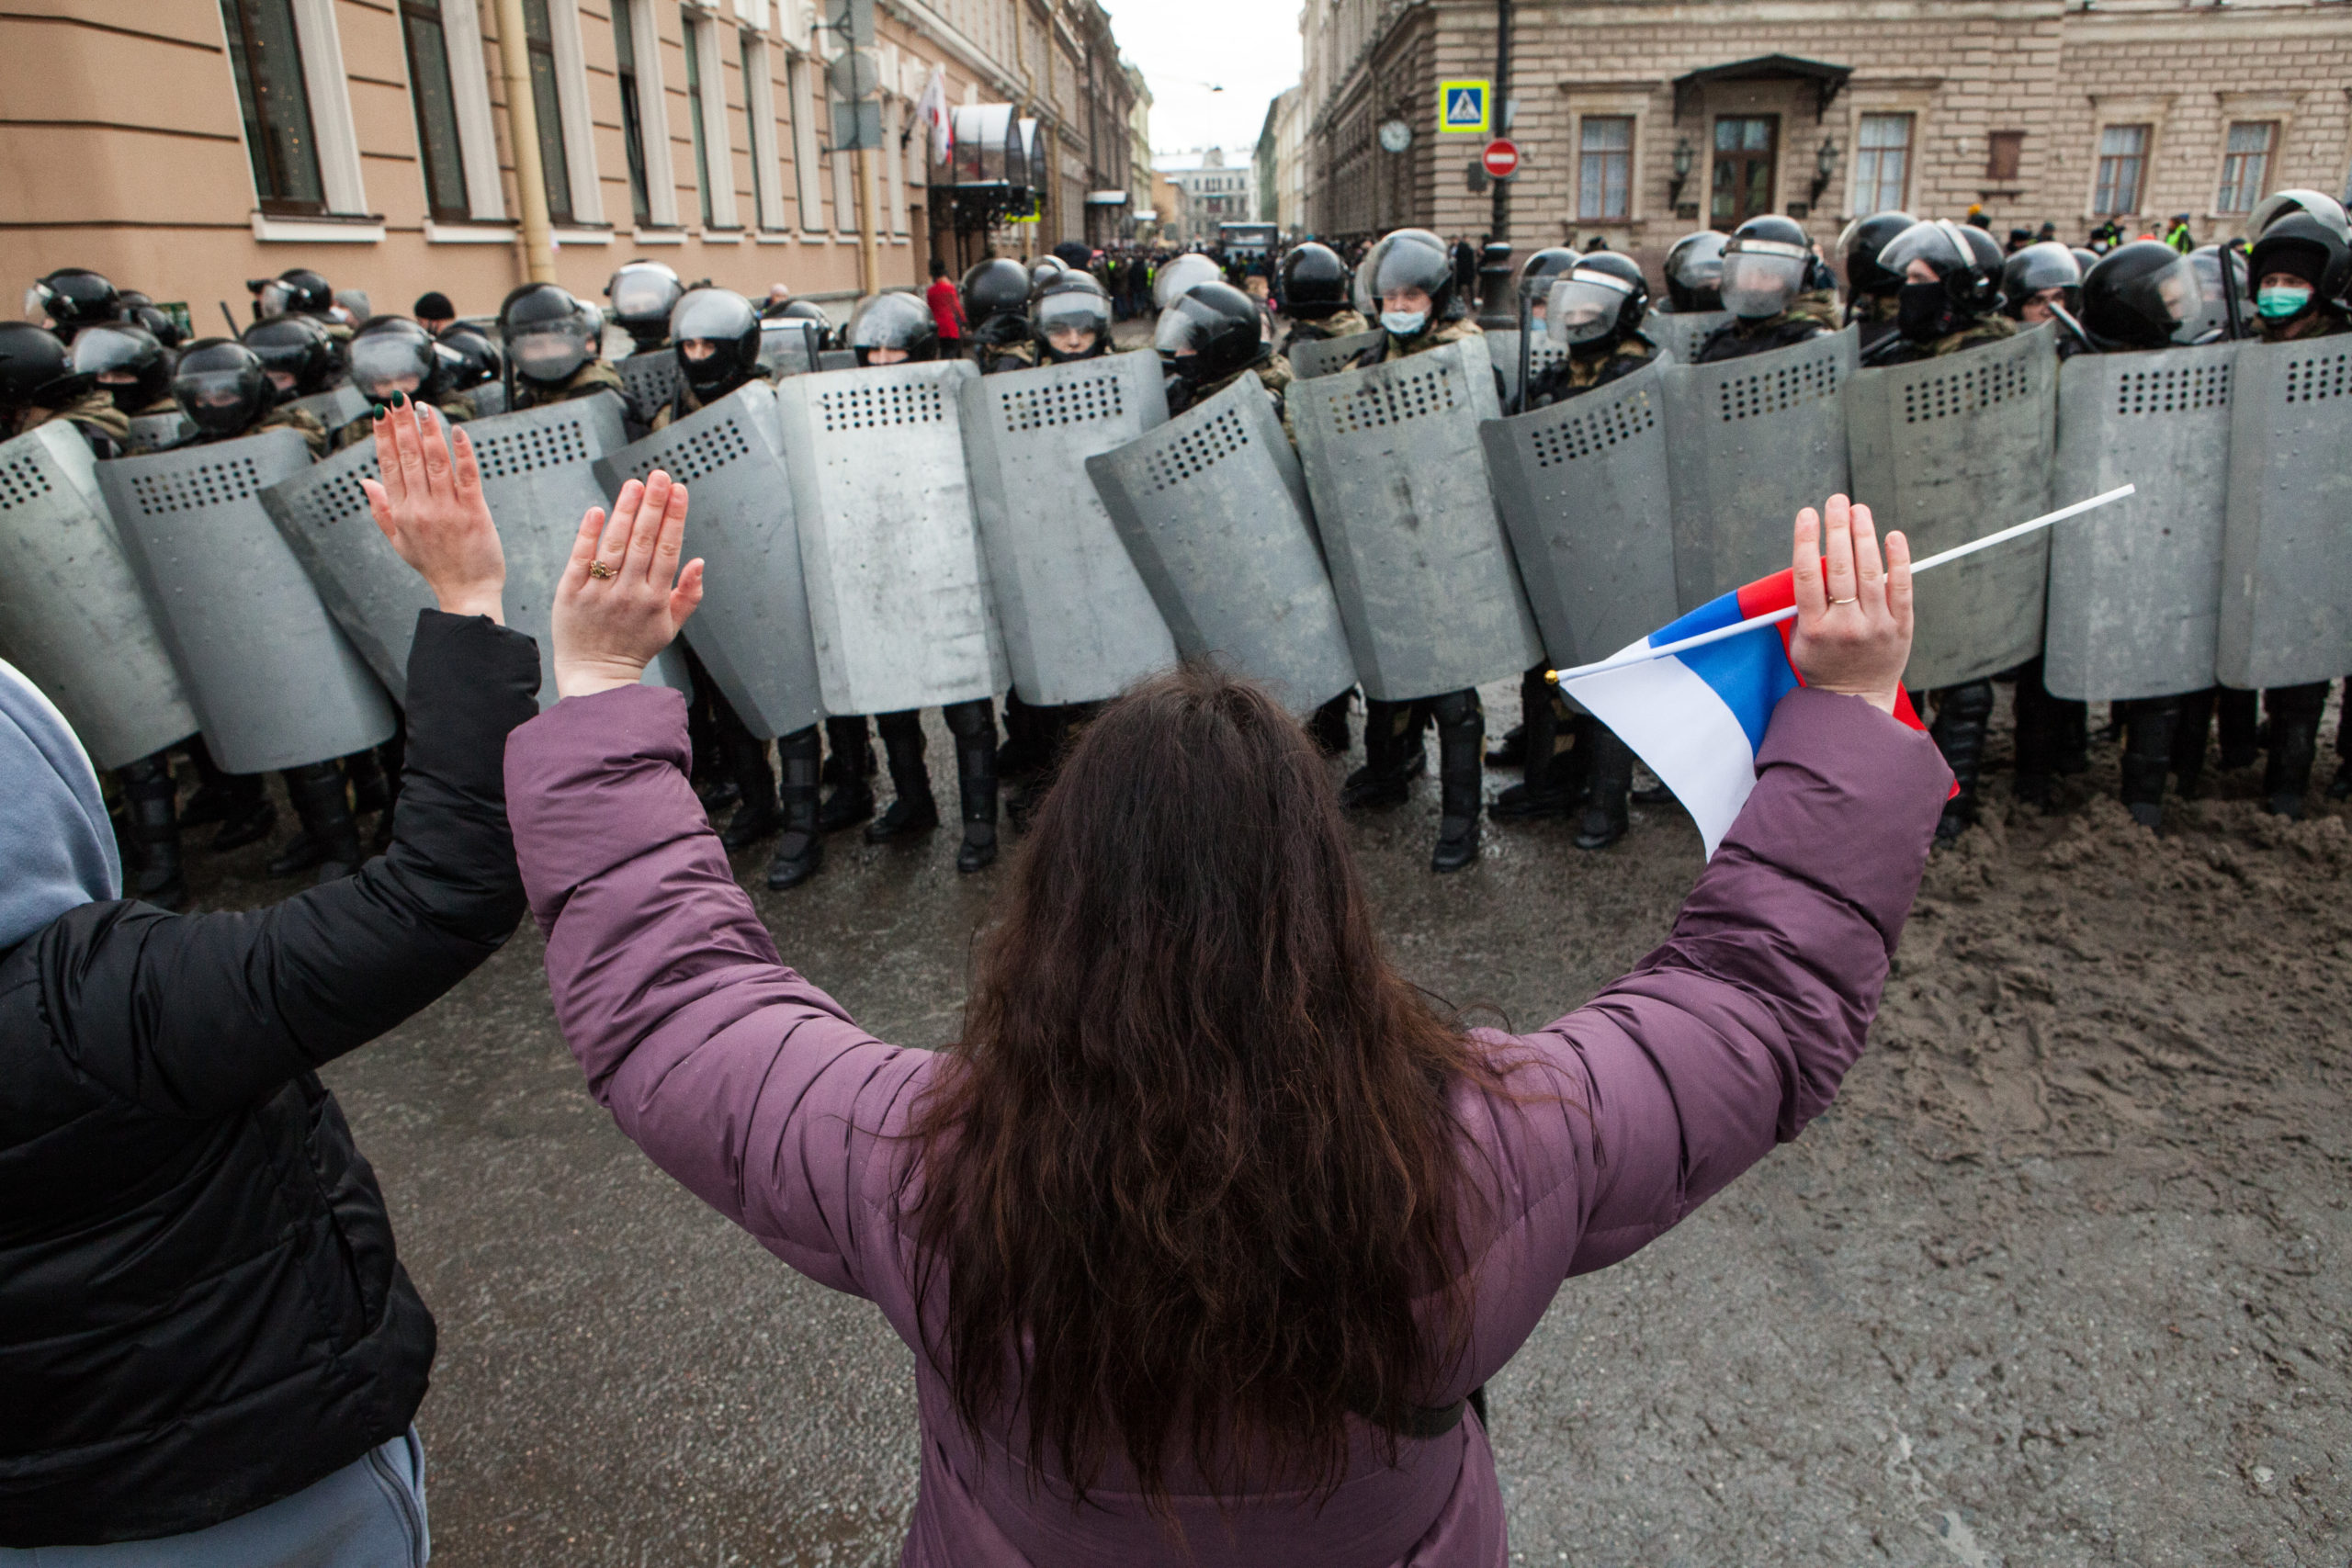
{"type": "Point", "coordinates": [1874, 315]}
{"type": "Point", "coordinates": [1345, 321]}
{"type": "Point", "coordinates": [586, 382]}
{"type": "Point", "coordinates": [1976, 334]}
{"type": "Point", "coordinates": [1273, 371]}
{"type": "Point", "coordinates": [1810, 315]}
{"type": "Point", "coordinates": [94, 410]}
{"type": "Point", "coordinates": [1583, 372]}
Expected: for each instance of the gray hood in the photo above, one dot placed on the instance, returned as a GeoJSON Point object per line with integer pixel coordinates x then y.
{"type": "Point", "coordinates": [57, 849]}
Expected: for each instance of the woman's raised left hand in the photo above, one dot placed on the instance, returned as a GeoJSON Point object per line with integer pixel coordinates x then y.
{"type": "Point", "coordinates": [622, 597]}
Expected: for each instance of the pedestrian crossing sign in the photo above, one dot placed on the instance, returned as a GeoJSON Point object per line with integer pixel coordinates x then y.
{"type": "Point", "coordinates": [1462, 106]}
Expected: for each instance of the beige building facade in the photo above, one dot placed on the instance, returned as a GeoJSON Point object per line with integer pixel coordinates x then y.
{"type": "Point", "coordinates": [1640, 120]}
{"type": "Point", "coordinates": [183, 147]}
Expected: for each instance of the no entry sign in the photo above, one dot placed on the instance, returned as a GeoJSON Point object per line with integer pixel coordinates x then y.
{"type": "Point", "coordinates": [1500, 158]}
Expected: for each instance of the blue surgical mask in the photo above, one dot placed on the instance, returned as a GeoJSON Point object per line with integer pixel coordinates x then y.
{"type": "Point", "coordinates": [1404, 323]}
{"type": "Point", "coordinates": [2280, 304]}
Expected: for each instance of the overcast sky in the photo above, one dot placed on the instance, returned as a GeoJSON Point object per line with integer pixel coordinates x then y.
{"type": "Point", "coordinates": [1184, 48]}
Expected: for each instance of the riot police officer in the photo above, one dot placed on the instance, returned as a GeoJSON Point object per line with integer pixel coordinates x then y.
{"type": "Point", "coordinates": [1869, 288]}
{"type": "Point", "coordinates": [73, 298]}
{"type": "Point", "coordinates": [1770, 287]}
{"type": "Point", "coordinates": [996, 303]}
{"type": "Point", "coordinates": [391, 354]}
{"type": "Point", "coordinates": [474, 359]}
{"type": "Point", "coordinates": [298, 291]}
{"type": "Point", "coordinates": [1313, 284]}
{"type": "Point", "coordinates": [128, 365]}
{"type": "Point", "coordinates": [553, 353]}
{"type": "Point", "coordinates": [1207, 339]}
{"type": "Point", "coordinates": [1070, 318]}
{"type": "Point", "coordinates": [298, 353]}
{"type": "Point", "coordinates": [2044, 283]}
{"type": "Point", "coordinates": [643, 293]}
{"type": "Point", "coordinates": [39, 384]}
{"type": "Point", "coordinates": [1694, 273]}
{"type": "Point", "coordinates": [1180, 275]}
{"type": "Point", "coordinates": [805, 311]}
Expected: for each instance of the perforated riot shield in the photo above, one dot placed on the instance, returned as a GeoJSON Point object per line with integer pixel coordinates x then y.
{"type": "Point", "coordinates": [153, 432]}
{"type": "Point", "coordinates": [1583, 487]}
{"type": "Point", "coordinates": [1751, 440]}
{"type": "Point", "coordinates": [2287, 548]}
{"type": "Point", "coordinates": [1213, 510]}
{"type": "Point", "coordinates": [1681, 332]}
{"type": "Point", "coordinates": [71, 614]}
{"type": "Point", "coordinates": [649, 381]}
{"type": "Point", "coordinates": [335, 407]}
{"type": "Point", "coordinates": [1320, 356]}
{"type": "Point", "coordinates": [789, 346]}
{"type": "Point", "coordinates": [1418, 558]}
{"type": "Point", "coordinates": [1502, 347]}
{"type": "Point", "coordinates": [1079, 624]}
{"type": "Point", "coordinates": [1950, 449]}
{"type": "Point", "coordinates": [837, 359]}
{"type": "Point", "coordinates": [898, 591]}
{"type": "Point", "coordinates": [272, 680]}
{"type": "Point", "coordinates": [751, 631]}
{"type": "Point", "coordinates": [2135, 587]}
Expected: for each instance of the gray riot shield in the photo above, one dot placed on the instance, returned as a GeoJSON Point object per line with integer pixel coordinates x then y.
{"type": "Point", "coordinates": [1213, 510]}
{"type": "Point", "coordinates": [837, 359]}
{"type": "Point", "coordinates": [273, 680]}
{"type": "Point", "coordinates": [1583, 487]}
{"type": "Point", "coordinates": [751, 631]}
{"type": "Point", "coordinates": [373, 594]}
{"type": "Point", "coordinates": [1949, 449]}
{"type": "Point", "coordinates": [153, 432]}
{"type": "Point", "coordinates": [1502, 347]}
{"type": "Point", "coordinates": [335, 407]}
{"type": "Point", "coordinates": [899, 595]}
{"type": "Point", "coordinates": [1079, 624]}
{"type": "Point", "coordinates": [488, 399]}
{"type": "Point", "coordinates": [2287, 550]}
{"type": "Point", "coordinates": [71, 614]}
{"type": "Point", "coordinates": [649, 381]}
{"type": "Point", "coordinates": [1320, 356]}
{"type": "Point", "coordinates": [1751, 440]}
{"type": "Point", "coordinates": [1681, 332]}
{"type": "Point", "coordinates": [788, 346]}
{"type": "Point", "coordinates": [1418, 558]}
{"type": "Point", "coordinates": [2135, 587]}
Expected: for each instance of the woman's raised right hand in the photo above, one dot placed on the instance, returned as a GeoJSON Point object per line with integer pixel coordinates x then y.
{"type": "Point", "coordinates": [429, 504]}
{"type": "Point", "coordinates": [622, 597]}
{"type": "Point", "coordinates": [1853, 632]}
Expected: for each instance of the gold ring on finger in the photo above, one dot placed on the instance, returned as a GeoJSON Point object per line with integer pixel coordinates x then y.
{"type": "Point", "coordinates": [1847, 599]}
{"type": "Point", "coordinates": [597, 568]}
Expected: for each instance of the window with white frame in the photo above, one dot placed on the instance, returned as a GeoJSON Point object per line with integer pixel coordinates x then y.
{"type": "Point", "coordinates": [759, 110]}
{"type": "Point", "coordinates": [286, 59]}
{"type": "Point", "coordinates": [2245, 164]}
{"type": "Point", "coordinates": [1881, 161]}
{"type": "Point", "coordinates": [441, 152]}
{"type": "Point", "coordinates": [547, 108]}
{"type": "Point", "coordinates": [799, 99]}
{"type": "Point", "coordinates": [2122, 164]}
{"type": "Point", "coordinates": [1605, 167]}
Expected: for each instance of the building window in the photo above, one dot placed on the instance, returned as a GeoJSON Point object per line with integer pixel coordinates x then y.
{"type": "Point", "coordinates": [1881, 163]}
{"type": "Point", "coordinates": [2245, 164]}
{"type": "Point", "coordinates": [632, 115]}
{"type": "Point", "coordinates": [694, 109]}
{"type": "Point", "coordinates": [1605, 167]}
{"type": "Point", "coordinates": [2004, 155]}
{"type": "Point", "coordinates": [540, 43]}
{"type": "Point", "coordinates": [267, 58]}
{"type": "Point", "coordinates": [1746, 149]}
{"type": "Point", "coordinates": [436, 110]}
{"type": "Point", "coordinates": [2122, 160]}
{"type": "Point", "coordinates": [760, 115]}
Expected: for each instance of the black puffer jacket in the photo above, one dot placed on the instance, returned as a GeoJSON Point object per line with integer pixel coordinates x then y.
{"type": "Point", "coordinates": [200, 1311]}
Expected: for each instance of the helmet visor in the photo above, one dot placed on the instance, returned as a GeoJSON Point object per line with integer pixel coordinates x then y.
{"type": "Point", "coordinates": [2171, 293]}
{"type": "Point", "coordinates": [643, 293]}
{"type": "Point", "coordinates": [717, 314]}
{"type": "Point", "coordinates": [1186, 326]}
{"type": "Point", "coordinates": [218, 400]}
{"type": "Point", "coordinates": [891, 321]}
{"type": "Point", "coordinates": [1070, 310]}
{"type": "Point", "coordinates": [277, 297]}
{"type": "Point", "coordinates": [1760, 278]}
{"type": "Point", "coordinates": [1407, 262]}
{"type": "Point", "coordinates": [1185, 272]}
{"type": "Point", "coordinates": [2046, 265]}
{"type": "Point", "coordinates": [1696, 266]}
{"type": "Point", "coordinates": [385, 363]}
{"type": "Point", "coordinates": [1585, 307]}
{"type": "Point", "coordinates": [100, 350]}
{"type": "Point", "coordinates": [2277, 205]}
{"type": "Point", "coordinates": [549, 351]}
{"type": "Point", "coordinates": [1931, 241]}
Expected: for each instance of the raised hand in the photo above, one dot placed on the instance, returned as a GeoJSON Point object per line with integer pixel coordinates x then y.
{"type": "Point", "coordinates": [1853, 629]}
{"type": "Point", "coordinates": [429, 505]}
{"type": "Point", "coordinates": [622, 597]}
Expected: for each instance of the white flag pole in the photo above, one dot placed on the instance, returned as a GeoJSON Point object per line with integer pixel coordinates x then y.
{"type": "Point", "coordinates": [1641, 653]}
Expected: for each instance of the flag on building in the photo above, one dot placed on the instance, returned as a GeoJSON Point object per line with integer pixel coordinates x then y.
{"type": "Point", "coordinates": [931, 110]}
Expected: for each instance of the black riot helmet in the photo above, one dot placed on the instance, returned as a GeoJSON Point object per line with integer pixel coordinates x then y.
{"type": "Point", "coordinates": [1044, 270]}
{"type": "Point", "coordinates": [1767, 263]}
{"type": "Point", "coordinates": [2213, 314]}
{"type": "Point", "coordinates": [295, 351]}
{"type": "Point", "coordinates": [35, 369]}
{"type": "Point", "coordinates": [2139, 295]}
{"type": "Point", "coordinates": [1313, 282]}
{"type": "Point", "coordinates": [717, 334]}
{"type": "Point", "coordinates": [1599, 302]}
{"type": "Point", "coordinates": [2306, 246]}
{"type": "Point", "coordinates": [547, 332]}
{"type": "Point", "coordinates": [476, 358]}
{"type": "Point", "coordinates": [156, 325]}
{"type": "Point", "coordinates": [1694, 272]}
{"type": "Point", "coordinates": [126, 362]}
{"type": "Point", "coordinates": [2085, 257]}
{"type": "Point", "coordinates": [73, 298]}
{"type": "Point", "coordinates": [392, 354]}
{"type": "Point", "coordinates": [897, 325]}
{"type": "Point", "coordinates": [2038, 268]}
{"type": "Point", "coordinates": [1543, 269]}
{"type": "Point", "coordinates": [297, 291]}
{"type": "Point", "coordinates": [998, 287]}
{"type": "Point", "coordinates": [1965, 259]}
{"type": "Point", "coordinates": [1209, 332]}
{"type": "Point", "coordinates": [1172, 281]}
{"type": "Point", "coordinates": [1408, 259]}
{"type": "Point", "coordinates": [221, 387]}
{"type": "Point", "coordinates": [2318, 205]}
{"type": "Point", "coordinates": [1858, 250]}
{"type": "Point", "coordinates": [1070, 304]}
{"type": "Point", "coordinates": [806, 310]}
{"type": "Point", "coordinates": [643, 294]}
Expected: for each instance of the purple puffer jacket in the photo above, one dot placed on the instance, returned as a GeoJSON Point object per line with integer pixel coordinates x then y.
{"type": "Point", "coordinates": [752, 1087]}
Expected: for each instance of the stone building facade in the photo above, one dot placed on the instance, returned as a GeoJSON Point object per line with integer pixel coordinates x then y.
{"type": "Point", "coordinates": [1639, 120]}
{"type": "Point", "coordinates": [185, 146]}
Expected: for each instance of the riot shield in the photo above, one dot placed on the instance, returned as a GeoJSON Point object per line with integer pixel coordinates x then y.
{"type": "Point", "coordinates": [1751, 440]}
{"type": "Point", "coordinates": [2287, 548]}
{"type": "Point", "coordinates": [153, 432]}
{"type": "Point", "coordinates": [1079, 624]}
{"type": "Point", "coordinates": [2135, 587]}
{"type": "Point", "coordinates": [788, 346]}
{"type": "Point", "coordinates": [1213, 510]}
{"type": "Point", "coordinates": [898, 595]}
{"type": "Point", "coordinates": [489, 398]}
{"type": "Point", "coordinates": [837, 359]}
{"type": "Point", "coordinates": [71, 614]}
{"type": "Point", "coordinates": [335, 407]}
{"type": "Point", "coordinates": [1583, 487]}
{"type": "Point", "coordinates": [373, 594]}
{"type": "Point", "coordinates": [1502, 347]}
{"type": "Point", "coordinates": [273, 680]}
{"type": "Point", "coordinates": [649, 381]}
{"type": "Point", "coordinates": [1949, 449]}
{"type": "Point", "coordinates": [1320, 356]}
{"type": "Point", "coordinates": [1681, 332]}
{"type": "Point", "coordinates": [1418, 558]}
{"type": "Point", "coordinates": [751, 631]}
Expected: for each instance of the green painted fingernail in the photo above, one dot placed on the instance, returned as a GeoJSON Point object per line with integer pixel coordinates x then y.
{"type": "Point", "coordinates": [399, 399]}
{"type": "Point", "coordinates": [381, 412]}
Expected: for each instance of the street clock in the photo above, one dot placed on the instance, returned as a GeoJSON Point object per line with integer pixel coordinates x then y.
{"type": "Point", "coordinates": [1396, 135]}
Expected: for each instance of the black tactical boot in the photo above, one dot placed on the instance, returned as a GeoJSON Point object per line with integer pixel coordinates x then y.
{"type": "Point", "coordinates": [1461, 747]}
{"type": "Point", "coordinates": [1555, 780]}
{"type": "Point", "coordinates": [802, 849]}
{"type": "Point", "coordinates": [2036, 739]}
{"type": "Point", "coordinates": [914, 811]}
{"type": "Point", "coordinates": [757, 813]}
{"type": "Point", "coordinates": [2190, 733]}
{"type": "Point", "coordinates": [1534, 694]}
{"type": "Point", "coordinates": [2239, 727]}
{"type": "Point", "coordinates": [391, 758]}
{"type": "Point", "coordinates": [2340, 787]}
{"type": "Point", "coordinates": [365, 774]}
{"type": "Point", "coordinates": [1609, 786]}
{"type": "Point", "coordinates": [1328, 728]}
{"type": "Point", "coordinates": [2148, 727]}
{"type": "Point", "coordinates": [1393, 757]}
{"type": "Point", "coordinates": [329, 838]}
{"type": "Point", "coordinates": [148, 790]}
{"type": "Point", "coordinates": [974, 726]}
{"type": "Point", "coordinates": [2294, 746]}
{"type": "Point", "coordinates": [1962, 715]}
{"type": "Point", "coordinates": [1026, 748]}
{"type": "Point", "coordinates": [849, 762]}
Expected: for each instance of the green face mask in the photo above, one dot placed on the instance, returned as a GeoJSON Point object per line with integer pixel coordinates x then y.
{"type": "Point", "coordinates": [2279, 304]}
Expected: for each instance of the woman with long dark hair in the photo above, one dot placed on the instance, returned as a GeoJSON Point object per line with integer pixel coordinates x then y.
{"type": "Point", "coordinates": [1209, 1226]}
